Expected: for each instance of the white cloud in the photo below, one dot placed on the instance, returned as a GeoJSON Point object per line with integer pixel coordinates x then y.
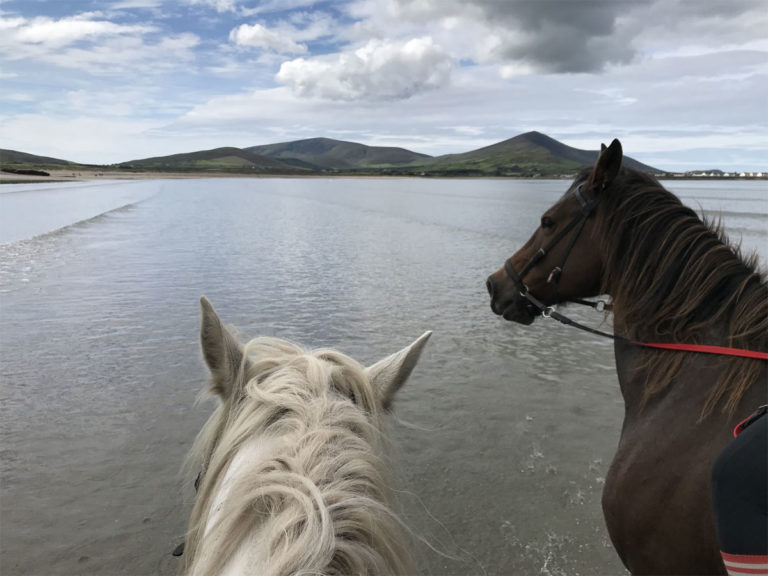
{"type": "Point", "coordinates": [556, 36]}
{"type": "Point", "coordinates": [545, 35]}
{"type": "Point", "coordinates": [478, 71]}
{"type": "Point", "coordinates": [113, 104]}
{"type": "Point", "coordinates": [270, 6]}
{"type": "Point", "coordinates": [93, 45]}
{"type": "Point", "coordinates": [508, 71]}
{"type": "Point", "coordinates": [219, 5]}
{"type": "Point", "coordinates": [468, 130]}
{"type": "Point", "coordinates": [286, 36]}
{"type": "Point", "coordinates": [115, 56]}
{"type": "Point", "coordinates": [379, 70]}
{"type": "Point", "coordinates": [131, 4]}
{"type": "Point", "coordinates": [261, 37]}
{"type": "Point", "coordinates": [307, 26]}
{"type": "Point", "coordinates": [694, 49]}
{"type": "Point", "coordinates": [53, 34]}
{"type": "Point", "coordinates": [11, 23]}
{"type": "Point", "coordinates": [18, 96]}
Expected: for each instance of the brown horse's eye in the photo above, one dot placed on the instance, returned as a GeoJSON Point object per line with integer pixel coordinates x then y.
{"type": "Point", "coordinates": [547, 222]}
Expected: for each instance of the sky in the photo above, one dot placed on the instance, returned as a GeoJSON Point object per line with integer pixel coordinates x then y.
{"type": "Point", "coordinates": [682, 83]}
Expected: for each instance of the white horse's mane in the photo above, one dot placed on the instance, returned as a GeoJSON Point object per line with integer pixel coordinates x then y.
{"type": "Point", "coordinates": [293, 471]}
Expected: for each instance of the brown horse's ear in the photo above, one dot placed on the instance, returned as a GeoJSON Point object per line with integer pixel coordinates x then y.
{"type": "Point", "coordinates": [389, 374]}
{"type": "Point", "coordinates": [222, 351]}
{"type": "Point", "coordinates": [607, 166]}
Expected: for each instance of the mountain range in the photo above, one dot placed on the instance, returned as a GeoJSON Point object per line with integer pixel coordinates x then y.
{"type": "Point", "coordinates": [529, 154]}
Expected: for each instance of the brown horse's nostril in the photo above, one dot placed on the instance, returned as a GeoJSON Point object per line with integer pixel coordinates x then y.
{"type": "Point", "coordinates": [489, 285]}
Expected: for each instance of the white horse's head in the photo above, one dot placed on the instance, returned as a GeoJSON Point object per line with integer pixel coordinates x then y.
{"type": "Point", "coordinates": [291, 465]}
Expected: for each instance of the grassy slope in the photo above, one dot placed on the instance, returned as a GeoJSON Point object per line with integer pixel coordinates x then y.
{"type": "Point", "coordinates": [530, 154]}
{"type": "Point", "coordinates": [330, 154]}
{"type": "Point", "coordinates": [218, 159]}
{"type": "Point", "coordinates": [13, 159]}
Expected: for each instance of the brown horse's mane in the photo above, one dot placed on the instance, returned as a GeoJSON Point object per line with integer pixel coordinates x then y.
{"type": "Point", "coordinates": [675, 277]}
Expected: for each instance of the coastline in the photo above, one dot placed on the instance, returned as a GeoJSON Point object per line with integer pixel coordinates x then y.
{"type": "Point", "coordinates": [91, 175]}
{"type": "Point", "coordinates": [87, 175]}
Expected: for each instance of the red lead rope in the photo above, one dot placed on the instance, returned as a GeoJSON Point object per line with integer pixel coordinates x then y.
{"type": "Point", "coordinates": [707, 349]}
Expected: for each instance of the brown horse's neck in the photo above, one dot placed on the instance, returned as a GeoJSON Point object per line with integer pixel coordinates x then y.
{"type": "Point", "coordinates": [675, 278]}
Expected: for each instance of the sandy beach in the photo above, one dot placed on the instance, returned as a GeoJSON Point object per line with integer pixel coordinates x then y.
{"type": "Point", "coordinates": [88, 175]}
{"type": "Point", "coordinates": [82, 175]}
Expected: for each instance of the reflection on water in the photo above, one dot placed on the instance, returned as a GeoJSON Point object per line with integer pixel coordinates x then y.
{"type": "Point", "coordinates": [502, 437]}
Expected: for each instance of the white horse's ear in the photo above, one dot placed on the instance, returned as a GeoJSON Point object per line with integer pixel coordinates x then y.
{"type": "Point", "coordinates": [389, 374]}
{"type": "Point", "coordinates": [222, 351]}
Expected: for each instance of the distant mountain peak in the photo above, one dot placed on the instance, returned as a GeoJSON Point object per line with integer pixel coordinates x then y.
{"type": "Point", "coordinates": [532, 153]}
{"type": "Point", "coordinates": [330, 154]}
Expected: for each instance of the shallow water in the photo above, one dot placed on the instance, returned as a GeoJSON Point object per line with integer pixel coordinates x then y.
{"type": "Point", "coordinates": [502, 436]}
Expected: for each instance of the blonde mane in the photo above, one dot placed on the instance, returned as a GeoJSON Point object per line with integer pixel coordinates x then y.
{"type": "Point", "coordinates": [317, 499]}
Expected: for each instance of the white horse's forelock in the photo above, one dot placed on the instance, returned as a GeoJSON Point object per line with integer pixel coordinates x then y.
{"type": "Point", "coordinates": [294, 472]}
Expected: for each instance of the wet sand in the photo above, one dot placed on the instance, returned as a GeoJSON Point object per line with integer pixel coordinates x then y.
{"type": "Point", "coordinates": [82, 175]}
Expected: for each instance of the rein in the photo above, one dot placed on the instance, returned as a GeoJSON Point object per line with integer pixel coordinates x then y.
{"type": "Point", "coordinates": [550, 312]}
{"type": "Point", "coordinates": [587, 209]}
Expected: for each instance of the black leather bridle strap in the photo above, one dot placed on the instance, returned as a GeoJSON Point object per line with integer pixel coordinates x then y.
{"type": "Point", "coordinates": [554, 276]}
{"type": "Point", "coordinates": [518, 280]}
{"type": "Point", "coordinates": [587, 208]}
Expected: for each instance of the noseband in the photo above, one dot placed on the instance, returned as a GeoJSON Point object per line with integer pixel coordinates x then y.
{"type": "Point", "coordinates": [577, 223]}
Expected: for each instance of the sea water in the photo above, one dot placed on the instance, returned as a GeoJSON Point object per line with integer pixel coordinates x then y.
{"type": "Point", "coordinates": [502, 436]}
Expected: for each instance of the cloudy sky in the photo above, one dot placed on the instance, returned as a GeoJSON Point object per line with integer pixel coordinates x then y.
{"type": "Point", "coordinates": [683, 83]}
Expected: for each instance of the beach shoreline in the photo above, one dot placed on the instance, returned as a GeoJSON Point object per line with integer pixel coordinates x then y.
{"type": "Point", "coordinates": [89, 175]}
{"type": "Point", "coordinates": [58, 176]}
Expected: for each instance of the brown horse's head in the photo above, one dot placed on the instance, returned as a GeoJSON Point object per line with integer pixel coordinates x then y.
{"type": "Point", "coordinates": [561, 260]}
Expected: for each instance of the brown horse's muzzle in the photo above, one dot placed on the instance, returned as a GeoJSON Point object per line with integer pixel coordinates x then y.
{"type": "Point", "coordinates": [506, 300]}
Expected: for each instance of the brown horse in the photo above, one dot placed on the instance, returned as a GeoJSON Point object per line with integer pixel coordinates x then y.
{"type": "Point", "coordinates": [672, 278]}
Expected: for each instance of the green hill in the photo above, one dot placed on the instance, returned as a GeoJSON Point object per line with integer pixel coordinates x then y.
{"type": "Point", "coordinates": [329, 154]}
{"type": "Point", "coordinates": [529, 154]}
{"type": "Point", "coordinates": [227, 159]}
{"type": "Point", "coordinates": [532, 153]}
{"type": "Point", "coordinates": [13, 158]}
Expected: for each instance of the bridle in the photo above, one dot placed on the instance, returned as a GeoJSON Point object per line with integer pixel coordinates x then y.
{"type": "Point", "coordinates": [576, 225]}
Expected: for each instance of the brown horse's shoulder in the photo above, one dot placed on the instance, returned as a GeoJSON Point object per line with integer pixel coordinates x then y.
{"type": "Point", "coordinates": [656, 492]}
